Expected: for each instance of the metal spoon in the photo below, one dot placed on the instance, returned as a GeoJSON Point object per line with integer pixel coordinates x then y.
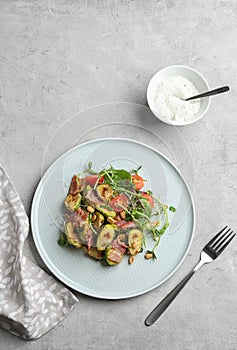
{"type": "Point", "coordinates": [209, 93]}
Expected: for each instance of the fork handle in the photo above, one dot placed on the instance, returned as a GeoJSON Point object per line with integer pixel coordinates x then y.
{"type": "Point", "coordinates": [162, 306]}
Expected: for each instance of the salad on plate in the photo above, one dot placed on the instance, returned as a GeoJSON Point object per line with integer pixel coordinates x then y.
{"type": "Point", "coordinates": [108, 215]}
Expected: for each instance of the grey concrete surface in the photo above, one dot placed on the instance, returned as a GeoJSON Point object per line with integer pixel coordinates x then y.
{"type": "Point", "coordinates": [58, 58]}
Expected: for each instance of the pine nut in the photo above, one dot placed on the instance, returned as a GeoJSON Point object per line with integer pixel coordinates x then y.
{"type": "Point", "coordinates": [133, 245]}
{"type": "Point", "coordinates": [156, 223]}
{"type": "Point", "coordinates": [123, 214]}
{"type": "Point", "coordinates": [111, 220]}
{"type": "Point", "coordinates": [122, 236]}
{"type": "Point", "coordinates": [131, 259]}
{"type": "Point", "coordinates": [93, 217]}
{"type": "Point", "coordinates": [148, 256]}
{"type": "Point", "coordinates": [90, 209]}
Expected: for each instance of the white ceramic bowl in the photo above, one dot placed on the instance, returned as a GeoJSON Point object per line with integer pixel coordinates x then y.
{"type": "Point", "coordinates": [189, 73]}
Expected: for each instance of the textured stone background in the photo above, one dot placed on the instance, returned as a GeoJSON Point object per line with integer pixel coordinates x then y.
{"type": "Point", "coordinates": [58, 58]}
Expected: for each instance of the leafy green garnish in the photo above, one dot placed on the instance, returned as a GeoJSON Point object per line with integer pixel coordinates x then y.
{"type": "Point", "coordinates": [121, 174]}
{"type": "Point", "coordinates": [62, 240]}
{"type": "Point", "coordinates": [171, 208]}
{"type": "Point", "coordinates": [113, 176]}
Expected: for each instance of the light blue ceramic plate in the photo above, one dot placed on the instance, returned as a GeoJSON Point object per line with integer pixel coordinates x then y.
{"type": "Point", "coordinates": [86, 275]}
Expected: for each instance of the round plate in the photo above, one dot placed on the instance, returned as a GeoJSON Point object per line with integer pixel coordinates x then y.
{"type": "Point", "coordinates": [87, 275]}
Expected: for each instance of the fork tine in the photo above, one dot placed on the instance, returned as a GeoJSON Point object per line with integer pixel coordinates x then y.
{"type": "Point", "coordinates": [226, 244]}
{"type": "Point", "coordinates": [216, 236]}
{"type": "Point", "coordinates": [221, 240]}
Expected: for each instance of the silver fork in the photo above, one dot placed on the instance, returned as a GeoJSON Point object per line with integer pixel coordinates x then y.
{"type": "Point", "coordinates": [209, 253]}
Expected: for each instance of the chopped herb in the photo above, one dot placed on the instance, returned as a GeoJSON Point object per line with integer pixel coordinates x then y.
{"type": "Point", "coordinates": [62, 240]}
{"type": "Point", "coordinates": [171, 208]}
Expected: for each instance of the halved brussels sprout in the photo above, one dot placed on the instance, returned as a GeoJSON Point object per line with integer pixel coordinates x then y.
{"type": "Point", "coordinates": [105, 191]}
{"type": "Point", "coordinates": [95, 253]}
{"type": "Point", "coordinates": [113, 256]}
{"type": "Point", "coordinates": [99, 219]}
{"type": "Point", "coordinates": [105, 237]}
{"type": "Point", "coordinates": [71, 235]}
{"type": "Point", "coordinates": [134, 241]}
{"type": "Point", "coordinates": [83, 233]}
{"type": "Point", "coordinates": [72, 202]}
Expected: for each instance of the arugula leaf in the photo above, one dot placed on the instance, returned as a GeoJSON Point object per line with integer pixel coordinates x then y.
{"type": "Point", "coordinates": [121, 174]}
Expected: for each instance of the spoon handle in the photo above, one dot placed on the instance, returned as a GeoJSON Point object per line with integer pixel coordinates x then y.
{"type": "Point", "coordinates": [210, 93]}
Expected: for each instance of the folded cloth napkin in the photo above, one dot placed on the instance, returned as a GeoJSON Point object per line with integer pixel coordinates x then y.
{"type": "Point", "coordinates": [31, 301]}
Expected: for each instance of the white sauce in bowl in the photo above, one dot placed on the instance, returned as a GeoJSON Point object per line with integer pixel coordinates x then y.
{"type": "Point", "coordinates": [169, 97]}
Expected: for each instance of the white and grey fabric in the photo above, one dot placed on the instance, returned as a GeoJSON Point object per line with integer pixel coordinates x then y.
{"type": "Point", "coordinates": [31, 301]}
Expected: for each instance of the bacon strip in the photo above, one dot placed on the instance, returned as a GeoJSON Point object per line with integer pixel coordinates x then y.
{"type": "Point", "coordinates": [75, 185]}
{"type": "Point", "coordinates": [93, 198]}
{"type": "Point", "coordinates": [119, 245]}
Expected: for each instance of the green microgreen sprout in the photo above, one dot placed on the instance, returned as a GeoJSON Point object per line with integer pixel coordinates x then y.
{"type": "Point", "coordinates": [135, 171]}
{"type": "Point", "coordinates": [90, 223]}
